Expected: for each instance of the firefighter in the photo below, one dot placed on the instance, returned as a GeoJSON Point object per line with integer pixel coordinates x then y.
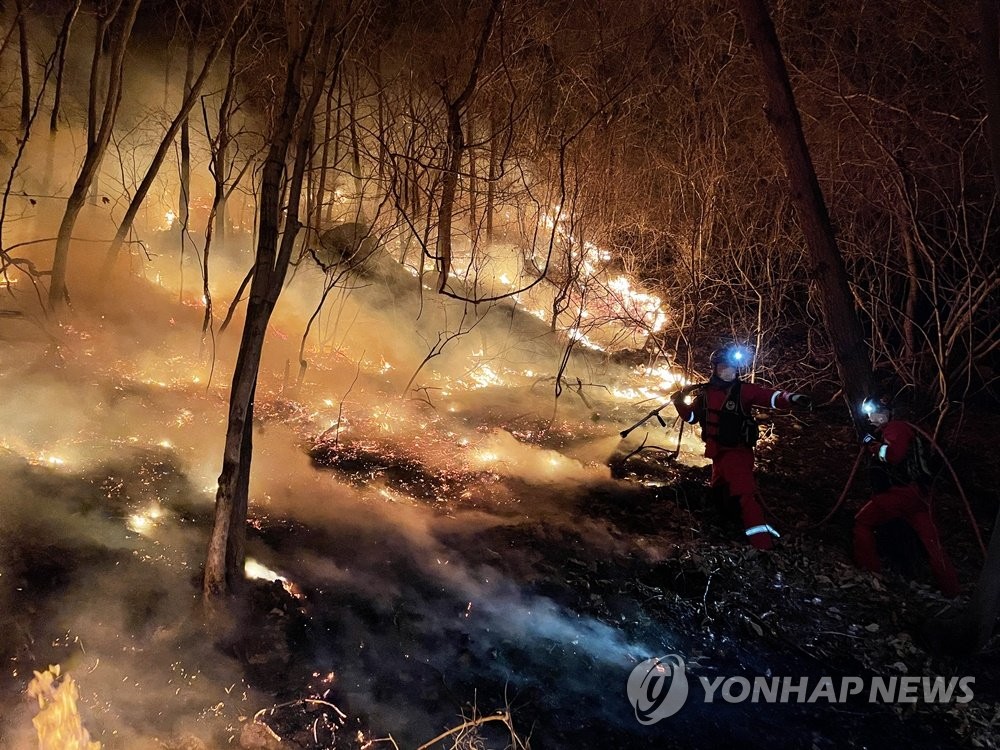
{"type": "Point", "coordinates": [900, 489]}
{"type": "Point", "coordinates": [723, 407]}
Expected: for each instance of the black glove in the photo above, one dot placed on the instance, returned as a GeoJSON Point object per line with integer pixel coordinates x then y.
{"type": "Point", "coordinates": [868, 438]}
{"type": "Point", "coordinates": [801, 400]}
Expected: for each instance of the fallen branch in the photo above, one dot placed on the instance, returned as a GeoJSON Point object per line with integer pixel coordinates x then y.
{"type": "Point", "coordinates": [503, 717]}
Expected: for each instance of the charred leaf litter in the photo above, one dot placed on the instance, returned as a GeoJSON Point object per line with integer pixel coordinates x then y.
{"type": "Point", "coordinates": [500, 593]}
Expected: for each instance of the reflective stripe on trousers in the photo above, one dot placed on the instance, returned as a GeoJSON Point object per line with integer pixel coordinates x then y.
{"type": "Point", "coordinates": [763, 529]}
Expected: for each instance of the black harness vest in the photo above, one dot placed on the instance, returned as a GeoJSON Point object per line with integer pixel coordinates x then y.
{"type": "Point", "coordinates": [731, 426]}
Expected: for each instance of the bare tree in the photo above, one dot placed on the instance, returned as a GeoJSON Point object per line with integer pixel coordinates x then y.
{"type": "Point", "coordinates": [828, 269]}
{"type": "Point", "coordinates": [62, 42]}
{"type": "Point", "coordinates": [22, 35]}
{"type": "Point", "coordinates": [98, 132]}
{"type": "Point", "coordinates": [456, 108]}
{"type": "Point", "coordinates": [292, 135]}
{"type": "Point", "coordinates": [192, 89]}
{"type": "Point", "coordinates": [980, 618]}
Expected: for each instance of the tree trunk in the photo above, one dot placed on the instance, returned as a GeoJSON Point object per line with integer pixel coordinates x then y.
{"type": "Point", "coordinates": [184, 209]}
{"type": "Point", "coordinates": [473, 184]}
{"type": "Point", "coordinates": [980, 619]}
{"type": "Point", "coordinates": [324, 162]}
{"type": "Point", "coordinates": [493, 175]}
{"type": "Point", "coordinates": [449, 184]}
{"type": "Point", "coordinates": [192, 90]}
{"type": "Point", "coordinates": [97, 143]}
{"type": "Point", "coordinates": [22, 33]}
{"type": "Point", "coordinates": [217, 214]}
{"type": "Point", "coordinates": [61, 44]}
{"type": "Point", "coordinates": [456, 144]}
{"type": "Point", "coordinates": [828, 269]}
{"type": "Point", "coordinates": [225, 556]}
{"type": "Point", "coordinates": [359, 186]}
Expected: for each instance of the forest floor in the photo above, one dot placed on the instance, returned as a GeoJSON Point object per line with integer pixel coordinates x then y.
{"type": "Point", "coordinates": [415, 598]}
{"type": "Point", "coordinates": [677, 576]}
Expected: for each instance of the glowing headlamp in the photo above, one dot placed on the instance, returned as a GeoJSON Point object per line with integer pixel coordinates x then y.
{"type": "Point", "coordinates": [870, 406]}
{"type": "Point", "coordinates": [738, 357]}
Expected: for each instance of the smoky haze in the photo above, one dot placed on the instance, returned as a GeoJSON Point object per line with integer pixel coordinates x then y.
{"type": "Point", "coordinates": [420, 428]}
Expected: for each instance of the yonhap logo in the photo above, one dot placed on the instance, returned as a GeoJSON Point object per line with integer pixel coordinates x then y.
{"type": "Point", "coordinates": [657, 688]}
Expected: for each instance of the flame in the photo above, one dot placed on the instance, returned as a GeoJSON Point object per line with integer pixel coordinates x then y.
{"type": "Point", "coordinates": [485, 376]}
{"type": "Point", "coordinates": [144, 521]}
{"type": "Point", "coordinates": [48, 459]}
{"type": "Point", "coordinates": [577, 335]}
{"type": "Point", "coordinates": [254, 569]}
{"type": "Point", "coordinates": [58, 722]}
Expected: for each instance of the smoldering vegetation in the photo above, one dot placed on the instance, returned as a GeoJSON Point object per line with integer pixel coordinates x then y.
{"type": "Point", "coordinates": [369, 504]}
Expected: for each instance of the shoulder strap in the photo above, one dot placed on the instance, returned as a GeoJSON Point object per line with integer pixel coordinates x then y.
{"type": "Point", "coordinates": [736, 394]}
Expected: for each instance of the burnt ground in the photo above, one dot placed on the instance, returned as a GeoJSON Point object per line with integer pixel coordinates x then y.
{"type": "Point", "coordinates": [669, 575]}
{"type": "Point", "coordinates": [545, 613]}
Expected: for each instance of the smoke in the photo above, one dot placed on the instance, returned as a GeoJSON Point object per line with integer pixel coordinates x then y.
{"type": "Point", "coordinates": [114, 422]}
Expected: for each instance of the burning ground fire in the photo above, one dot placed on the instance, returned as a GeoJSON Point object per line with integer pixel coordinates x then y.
{"type": "Point", "coordinates": [58, 722]}
{"type": "Point", "coordinates": [465, 446]}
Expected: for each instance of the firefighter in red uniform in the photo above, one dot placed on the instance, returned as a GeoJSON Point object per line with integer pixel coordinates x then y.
{"type": "Point", "coordinates": [723, 408]}
{"type": "Point", "coordinates": [900, 490]}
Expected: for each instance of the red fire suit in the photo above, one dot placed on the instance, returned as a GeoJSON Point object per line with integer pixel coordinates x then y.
{"type": "Point", "coordinates": [897, 495]}
{"type": "Point", "coordinates": [732, 460]}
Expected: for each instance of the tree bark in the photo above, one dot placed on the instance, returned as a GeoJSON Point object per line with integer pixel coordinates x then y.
{"type": "Point", "coordinates": [225, 556]}
{"type": "Point", "coordinates": [98, 138]}
{"type": "Point", "coordinates": [456, 145]}
{"type": "Point", "coordinates": [192, 90]}
{"type": "Point", "coordinates": [61, 44]}
{"type": "Point", "coordinates": [22, 34]}
{"type": "Point", "coordinates": [828, 271]}
{"type": "Point", "coordinates": [184, 209]}
{"type": "Point", "coordinates": [980, 619]}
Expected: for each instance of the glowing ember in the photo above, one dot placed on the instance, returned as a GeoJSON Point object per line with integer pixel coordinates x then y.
{"type": "Point", "coordinates": [485, 376]}
{"type": "Point", "coordinates": [139, 523]}
{"type": "Point", "coordinates": [47, 459]}
{"type": "Point", "coordinates": [144, 521]}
